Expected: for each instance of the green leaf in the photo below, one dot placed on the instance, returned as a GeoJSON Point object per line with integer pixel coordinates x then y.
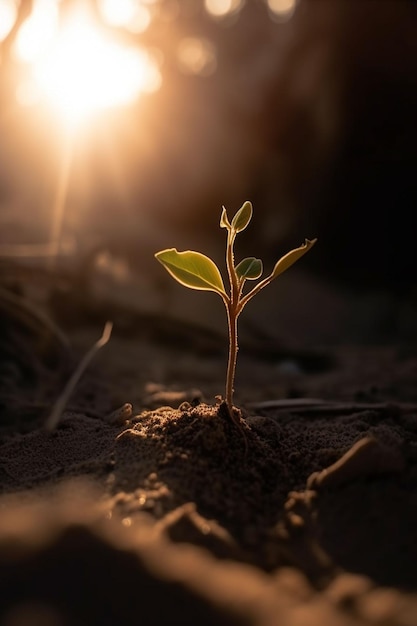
{"type": "Point", "coordinates": [242, 217]}
{"type": "Point", "coordinates": [249, 269]}
{"type": "Point", "coordinates": [291, 257]}
{"type": "Point", "coordinates": [224, 220]}
{"type": "Point", "coordinates": [192, 269]}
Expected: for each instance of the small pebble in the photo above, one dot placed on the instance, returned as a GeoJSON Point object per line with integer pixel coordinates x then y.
{"type": "Point", "coordinates": [120, 415]}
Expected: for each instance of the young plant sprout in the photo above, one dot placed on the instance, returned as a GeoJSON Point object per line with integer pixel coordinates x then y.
{"type": "Point", "coordinates": [197, 271]}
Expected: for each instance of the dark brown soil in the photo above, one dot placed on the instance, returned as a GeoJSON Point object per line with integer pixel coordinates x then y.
{"type": "Point", "coordinates": [302, 510]}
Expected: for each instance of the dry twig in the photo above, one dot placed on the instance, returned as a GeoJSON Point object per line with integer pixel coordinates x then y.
{"type": "Point", "coordinates": [60, 404]}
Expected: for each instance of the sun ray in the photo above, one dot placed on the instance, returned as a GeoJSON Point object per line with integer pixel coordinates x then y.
{"type": "Point", "coordinates": [79, 70]}
{"type": "Point", "coordinates": [76, 69]}
{"type": "Point", "coordinates": [60, 200]}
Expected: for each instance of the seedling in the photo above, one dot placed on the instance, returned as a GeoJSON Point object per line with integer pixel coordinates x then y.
{"type": "Point", "coordinates": [197, 271]}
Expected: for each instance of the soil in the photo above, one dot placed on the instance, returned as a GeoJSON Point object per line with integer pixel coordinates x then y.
{"type": "Point", "coordinates": [151, 504]}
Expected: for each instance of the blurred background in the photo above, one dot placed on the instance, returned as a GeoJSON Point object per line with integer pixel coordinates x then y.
{"type": "Point", "coordinates": [125, 125]}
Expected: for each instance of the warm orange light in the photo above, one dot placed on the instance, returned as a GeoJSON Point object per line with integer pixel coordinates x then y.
{"type": "Point", "coordinates": [129, 14]}
{"type": "Point", "coordinates": [197, 56]}
{"type": "Point", "coordinates": [222, 8]}
{"type": "Point", "coordinates": [281, 9]}
{"type": "Point", "coordinates": [37, 31]}
{"type": "Point", "coordinates": [8, 15]}
{"type": "Point", "coordinates": [81, 71]}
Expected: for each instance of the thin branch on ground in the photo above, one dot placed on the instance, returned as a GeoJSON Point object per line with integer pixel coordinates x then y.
{"type": "Point", "coordinates": [63, 399]}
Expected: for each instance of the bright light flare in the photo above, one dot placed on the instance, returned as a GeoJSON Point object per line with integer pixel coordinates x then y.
{"type": "Point", "coordinates": [129, 14]}
{"type": "Point", "coordinates": [220, 9]}
{"type": "Point", "coordinates": [8, 15]}
{"type": "Point", "coordinates": [82, 71]}
{"type": "Point", "coordinates": [87, 73]}
{"type": "Point", "coordinates": [37, 31]}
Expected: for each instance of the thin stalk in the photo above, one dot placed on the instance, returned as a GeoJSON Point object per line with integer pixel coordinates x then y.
{"type": "Point", "coordinates": [233, 350]}
{"type": "Point", "coordinates": [231, 318]}
{"type": "Point", "coordinates": [230, 264]}
{"type": "Point", "coordinates": [266, 281]}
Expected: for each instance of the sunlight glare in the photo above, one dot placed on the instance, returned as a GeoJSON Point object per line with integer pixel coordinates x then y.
{"type": "Point", "coordinates": [222, 8]}
{"type": "Point", "coordinates": [84, 72]}
{"type": "Point", "coordinates": [128, 14]}
{"type": "Point", "coordinates": [37, 31]}
{"type": "Point", "coordinates": [8, 15]}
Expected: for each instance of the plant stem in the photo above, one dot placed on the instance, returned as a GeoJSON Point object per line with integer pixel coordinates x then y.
{"type": "Point", "coordinates": [232, 315]}
{"type": "Point", "coordinates": [233, 349]}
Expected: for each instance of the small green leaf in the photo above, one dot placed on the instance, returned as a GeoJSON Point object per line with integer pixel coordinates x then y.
{"type": "Point", "coordinates": [242, 217]}
{"type": "Point", "coordinates": [224, 220]}
{"type": "Point", "coordinates": [249, 269]}
{"type": "Point", "coordinates": [192, 269]}
{"type": "Point", "coordinates": [291, 257]}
